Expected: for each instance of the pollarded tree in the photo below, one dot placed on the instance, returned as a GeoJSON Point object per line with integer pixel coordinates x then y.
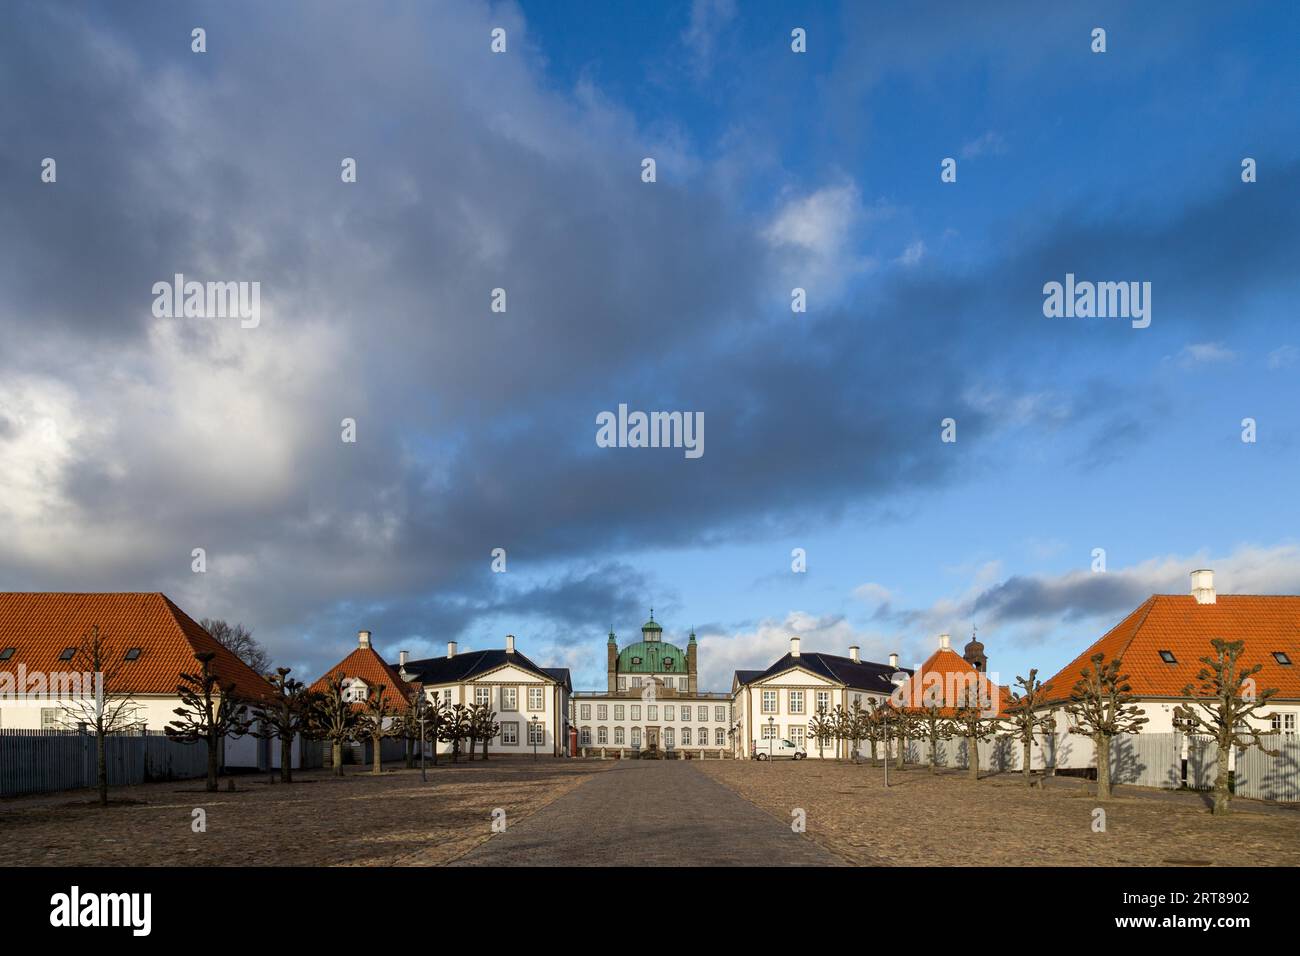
{"type": "Point", "coordinates": [484, 721]}
{"type": "Point", "coordinates": [284, 717]}
{"type": "Point", "coordinates": [856, 727]}
{"type": "Point", "coordinates": [455, 727]}
{"type": "Point", "coordinates": [333, 718]}
{"type": "Point", "coordinates": [209, 712]}
{"type": "Point", "coordinates": [1101, 706]}
{"type": "Point", "coordinates": [375, 720]}
{"type": "Point", "coordinates": [934, 726]}
{"type": "Point", "coordinates": [104, 707]}
{"type": "Point", "coordinates": [1024, 717]}
{"type": "Point", "coordinates": [900, 726]}
{"type": "Point", "coordinates": [1222, 706]}
{"type": "Point", "coordinates": [821, 728]}
{"type": "Point", "coordinates": [840, 730]}
{"type": "Point", "coordinates": [873, 728]}
{"type": "Point", "coordinates": [975, 719]}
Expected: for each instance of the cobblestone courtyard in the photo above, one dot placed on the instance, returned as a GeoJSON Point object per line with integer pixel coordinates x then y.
{"type": "Point", "coordinates": [947, 820]}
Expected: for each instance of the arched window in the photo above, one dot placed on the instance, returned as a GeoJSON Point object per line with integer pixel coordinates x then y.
{"type": "Point", "coordinates": [584, 737]}
{"type": "Point", "coordinates": [686, 736]}
{"type": "Point", "coordinates": [719, 738]}
{"type": "Point", "coordinates": [636, 737]}
{"type": "Point", "coordinates": [602, 735]}
{"type": "Point", "coordinates": [703, 738]}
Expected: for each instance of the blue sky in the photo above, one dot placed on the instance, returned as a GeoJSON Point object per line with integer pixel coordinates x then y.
{"type": "Point", "coordinates": [128, 441]}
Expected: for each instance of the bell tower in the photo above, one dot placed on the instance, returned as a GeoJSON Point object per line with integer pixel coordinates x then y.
{"type": "Point", "coordinates": [691, 685]}
{"type": "Point", "coordinates": [611, 658]}
{"type": "Point", "coordinates": [973, 654]}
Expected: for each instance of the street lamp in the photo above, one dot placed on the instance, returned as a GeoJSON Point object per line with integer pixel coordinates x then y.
{"type": "Point", "coordinates": [771, 737]}
{"type": "Point", "coordinates": [424, 775]}
{"type": "Point", "coordinates": [533, 726]}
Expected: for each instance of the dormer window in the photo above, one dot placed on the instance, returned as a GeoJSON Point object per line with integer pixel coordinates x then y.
{"type": "Point", "coordinates": [1281, 658]}
{"type": "Point", "coordinates": [1168, 657]}
{"type": "Point", "coordinates": [132, 654]}
{"type": "Point", "coordinates": [668, 663]}
{"type": "Point", "coordinates": [7, 653]}
{"type": "Point", "coordinates": [68, 653]}
{"type": "Point", "coordinates": [636, 660]}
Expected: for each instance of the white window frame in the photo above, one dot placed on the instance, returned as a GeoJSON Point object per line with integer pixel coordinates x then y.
{"type": "Point", "coordinates": [510, 733]}
{"type": "Point", "coordinates": [541, 698]}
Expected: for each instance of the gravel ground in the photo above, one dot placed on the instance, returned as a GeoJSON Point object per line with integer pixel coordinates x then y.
{"type": "Point", "coordinates": [319, 820]}
{"type": "Point", "coordinates": [947, 820]}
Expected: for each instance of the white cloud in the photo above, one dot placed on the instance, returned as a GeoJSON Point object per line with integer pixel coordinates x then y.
{"type": "Point", "coordinates": [913, 254]}
{"type": "Point", "coordinates": [1202, 353]}
{"type": "Point", "coordinates": [1283, 357]}
{"type": "Point", "coordinates": [989, 144]}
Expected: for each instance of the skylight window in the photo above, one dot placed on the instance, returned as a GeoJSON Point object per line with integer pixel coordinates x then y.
{"type": "Point", "coordinates": [132, 654]}
{"type": "Point", "coordinates": [67, 654]}
{"type": "Point", "coordinates": [1168, 657]}
{"type": "Point", "coordinates": [7, 653]}
{"type": "Point", "coordinates": [1281, 658]}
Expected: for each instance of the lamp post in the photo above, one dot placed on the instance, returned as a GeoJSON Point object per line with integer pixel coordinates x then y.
{"type": "Point", "coordinates": [532, 732]}
{"type": "Point", "coordinates": [771, 737]}
{"type": "Point", "coordinates": [424, 775]}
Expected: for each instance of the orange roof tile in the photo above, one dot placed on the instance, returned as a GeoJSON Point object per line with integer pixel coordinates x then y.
{"type": "Point", "coordinates": [40, 625]}
{"type": "Point", "coordinates": [950, 674]}
{"type": "Point", "coordinates": [1177, 623]}
{"type": "Point", "coordinates": [365, 663]}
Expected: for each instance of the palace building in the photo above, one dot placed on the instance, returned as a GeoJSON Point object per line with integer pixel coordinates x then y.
{"type": "Point", "coordinates": [652, 703]}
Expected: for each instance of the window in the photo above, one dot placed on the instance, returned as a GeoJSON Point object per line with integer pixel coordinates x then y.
{"type": "Point", "coordinates": [355, 691]}
{"type": "Point", "coordinates": [1168, 657]}
{"type": "Point", "coordinates": [1281, 658]}
{"type": "Point", "coordinates": [769, 702]}
{"type": "Point", "coordinates": [509, 698]}
{"type": "Point", "coordinates": [702, 712]}
{"type": "Point", "coordinates": [769, 731]}
{"type": "Point", "coordinates": [7, 653]}
{"type": "Point", "coordinates": [719, 713]}
{"type": "Point", "coordinates": [49, 718]}
{"type": "Point", "coordinates": [618, 711]}
{"type": "Point", "coordinates": [703, 737]}
{"type": "Point", "coordinates": [652, 712]}
{"type": "Point", "coordinates": [636, 711]}
{"type": "Point", "coordinates": [67, 653]}
{"type": "Point", "coordinates": [670, 712]}
{"type": "Point", "coordinates": [602, 735]}
{"type": "Point", "coordinates": [668, 663]}
{"type": "Point", "coordinates": [446, 696]}
{"type": "Point", "coordinates": [622, 683]}
{"type": "Point", "coordinates": [668, 738]}
{"type": "Point", "coordinates": [584, 737]}
{"type": "Point", "coordinates": [510, 733]}
{"type": "Point", "coordinates": [796, 734]}
{"type": "Point", "coordinates": [686, 736]}
{"type": "Point", "coordinates": [132, 654]}
{"type": "Point", "coordinates": [618, 736]}
{"type": "Point", "coordinates": [602, 712]}
{"type": "Point", "coordinates": [823, 701]}
{"type": "Point", "coordinates": [585, 712]}
{"type": "Point", "coordinates": [636, 660]}
{"type": "Point", "coordinates": [636, 736]}
{"type": "Point", "coordinates": [1284, 724]}
{"type": "Point", "coordinates": [796, 702]}
{"type": "Point", "coordinates": [536, 700]}
{"type": "Point", "coordinates": [536, 733]}
{"type": "Point", "coordinates": [719, 738]}
{"type": "Point", "coordinates": [636, 683]}
{"type": "Point", "coordinates": [483, 696]}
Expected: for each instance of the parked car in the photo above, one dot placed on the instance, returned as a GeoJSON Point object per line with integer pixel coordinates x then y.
{"type": "Point", "coordinates": [778, 749]}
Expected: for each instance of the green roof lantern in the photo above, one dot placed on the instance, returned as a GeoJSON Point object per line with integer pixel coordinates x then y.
{"type": "Point", "coordinates": [651, 625]}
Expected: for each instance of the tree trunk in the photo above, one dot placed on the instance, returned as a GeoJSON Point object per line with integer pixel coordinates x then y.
{"type": "Point", "coordinates": [286, 758]}
{"type": "Point", "coordinates": [101, 766]}
{"type": "Point", "coordinates": [336, 748]}
{"type": "Point", "coordinates": [377, 761]}
{"type": "Point", "coordinates": [410, 753]}
{"type": "Point", "coordinates": [1028, 759]}
{"type": "Point", "coordinates": [455, 750]}
{"type": "Point", "coordinates": [1222, 795]}
{"type": "Point", "coordinates": [901, 754]}
{"type": "Point", "coordinates": [873, 754]}
{"type": "Point", "coordinates": [212, 765]}
{"type": "Point", "coordinates": [934, 754]}
{"type": "Point", "coordinates": [1103, 767]}
{"type": "Point", "coordinates": [485, 746]}
{"type": "Point", "coordinates": [473, 745]}
{"type": "Point", "coordinates": [973, 757]}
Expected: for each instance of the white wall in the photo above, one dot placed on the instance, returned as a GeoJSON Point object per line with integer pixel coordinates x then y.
{"type": "Point", "coordinates": [636, 713]}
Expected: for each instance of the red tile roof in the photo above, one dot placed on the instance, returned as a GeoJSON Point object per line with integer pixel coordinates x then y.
{"type": "Point", "coordinates": [365, 663]}
{"type": "Point", "coordinates": [40, 625]}
{"type": "Point", "coordinates": [949, 674]}
{"type": "Point", "coordinates": [1177, 623]}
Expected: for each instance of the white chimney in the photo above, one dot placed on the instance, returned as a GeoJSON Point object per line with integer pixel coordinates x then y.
{"type": "Point", "coordinates": [853, 653]}
{"type": "Point", "coordinates": [363, 638]}
{"type": "Point", "coordinates": [794, 647]}
{"type": "Point", "coordinates": [401, 658]}
{"type": "Point", "coordinates": [893, 661]}
{"type": "Point", "coordinates": [945, 642]}
{"type": "Point", "coordinates": [451, 648]}
{"type": "Point", "coordinates": [1203, 586]}
{"type": "Point", "coordinates": [510, 643]}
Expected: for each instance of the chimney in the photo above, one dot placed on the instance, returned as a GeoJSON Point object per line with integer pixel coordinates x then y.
{"type": "Point", "coordinates": [510, 643]}
{"type": "Point", "coordinates": [853, 653]}
{"type": "Point", "coordinates": [363, 638]}
{"type": "Point", "coordinates": [945, 642]}
{"type": "Point", "coordinates": [401, 658]}
{"type": "Point", "coordinates": [451, 648]}
{"type": "Point", "coordinates": [1203, 586]}
{"type": "Point", "coordinates": [893, 661]}
{"type": "Point", "coordinates": [794, 647]}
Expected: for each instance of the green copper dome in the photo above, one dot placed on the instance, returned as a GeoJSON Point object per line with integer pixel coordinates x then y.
{"type": "Point", "coordinates": [652, 657]}
{"type": "Point", "coordinates": [652, 624]}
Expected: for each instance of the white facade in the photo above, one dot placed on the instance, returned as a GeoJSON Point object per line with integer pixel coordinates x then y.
{"type": "Point", "coordinates": [625, 724]}
{"type": "Point", "coordinates": [528, 707]}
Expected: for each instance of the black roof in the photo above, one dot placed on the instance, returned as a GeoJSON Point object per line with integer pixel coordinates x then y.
{"type": "Point", "coordinates": [462, 667]}
{"type": "Point", "coordinates": [561, 675]}
{"type": "Point", "coordinates": [866, 675]}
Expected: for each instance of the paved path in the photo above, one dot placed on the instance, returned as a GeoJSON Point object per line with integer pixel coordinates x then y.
{"type": "Point", "coordinates": [649, 813]}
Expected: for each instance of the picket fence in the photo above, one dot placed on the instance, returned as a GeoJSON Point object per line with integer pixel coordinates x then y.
{"type": "Point", "coordinates": [40, 761]}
